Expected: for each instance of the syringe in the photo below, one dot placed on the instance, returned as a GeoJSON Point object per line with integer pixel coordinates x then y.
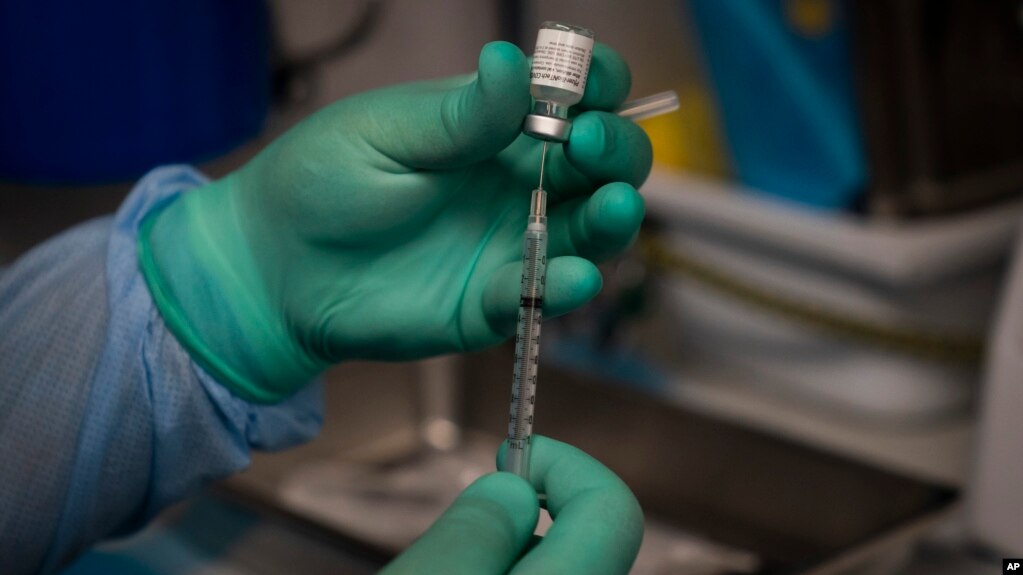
{"type": "Point", "coordinates": [527, 335]}
{"type": "Point", "coordinates": [534, 278]}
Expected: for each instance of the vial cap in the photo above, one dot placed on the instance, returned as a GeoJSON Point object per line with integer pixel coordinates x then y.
{"type": "Point", "coordinates": [547, 128]}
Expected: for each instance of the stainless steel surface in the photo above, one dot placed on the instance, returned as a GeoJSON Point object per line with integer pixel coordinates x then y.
{"type": "Point", "coordinates": [214, 536]}
{"type": "Point", "coordinates": [791, 505]}
{"type": "Point", "coordinates": [439, 394]}
{"type": "Point", "coordinates": [791, 508]}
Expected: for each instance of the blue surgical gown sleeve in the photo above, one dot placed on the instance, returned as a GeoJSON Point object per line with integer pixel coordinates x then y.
{"type": "Point", "coordinates": [104, 418]}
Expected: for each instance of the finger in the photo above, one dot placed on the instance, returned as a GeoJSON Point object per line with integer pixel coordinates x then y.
{"type": "Point", "coordinates": [608, 82]}
{"type": "Point", "coordinates": [598, 524]}
{"type": "Point", "coordinates": [571, 282]}
{"type": "Point", "coordinates": [598, 227]}
{"type": "Point", "coordinates": [483, 532]}
{"type": "Point", "coordinates": [602, 148]}
{"type": "Point", "coordinates": [437, 125]}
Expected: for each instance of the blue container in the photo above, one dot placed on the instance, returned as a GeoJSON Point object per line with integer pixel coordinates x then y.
{"type": "Point", "coordinates": [784, 78]}
{"type": "Point", "coordinates": [103, 90]}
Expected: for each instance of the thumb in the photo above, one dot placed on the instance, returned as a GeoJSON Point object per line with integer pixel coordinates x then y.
{"type": "Point", "coordinates": [482, 533]}
{"type": "Point", "coordinates": [453, 123]}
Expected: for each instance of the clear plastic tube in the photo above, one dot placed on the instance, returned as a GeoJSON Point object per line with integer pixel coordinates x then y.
{"type": "Point", "coordinates": [649, 106]}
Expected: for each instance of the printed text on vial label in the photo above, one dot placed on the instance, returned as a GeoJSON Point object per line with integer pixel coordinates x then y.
{"type": "Point", "coordinates": [561, 64]}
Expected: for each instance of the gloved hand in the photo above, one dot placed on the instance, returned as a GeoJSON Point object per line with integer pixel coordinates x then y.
{"type": "Point", "coordinates": [597, 529]}
{"type": "Point", "coordinates": [389, 226]}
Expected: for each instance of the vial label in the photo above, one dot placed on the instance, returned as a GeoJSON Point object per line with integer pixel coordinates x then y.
{"type": "Point", "coordinates": [561, 60]}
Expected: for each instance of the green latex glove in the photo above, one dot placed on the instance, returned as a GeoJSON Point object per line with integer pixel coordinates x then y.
{"type": "Point", "coordinates": [389, 226]}
{"type": "Point", "coordinates": [597, 529]}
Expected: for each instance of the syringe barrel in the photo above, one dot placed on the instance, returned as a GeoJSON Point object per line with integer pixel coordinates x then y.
{"type": "Point", "coordinates": [527, 347]}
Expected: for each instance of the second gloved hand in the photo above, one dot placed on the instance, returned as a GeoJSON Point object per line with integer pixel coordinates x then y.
{"type": "Point", "coordinates": [389, 226]}
{"type": "Point", "coordinates": [488, 530]}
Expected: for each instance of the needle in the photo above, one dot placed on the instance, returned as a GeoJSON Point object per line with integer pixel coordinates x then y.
{"type": "Point", "coordinates": [543, 157]}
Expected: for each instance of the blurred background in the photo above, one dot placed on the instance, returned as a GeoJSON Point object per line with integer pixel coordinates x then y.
{"type": "Point", "coordinates": [811, 361]}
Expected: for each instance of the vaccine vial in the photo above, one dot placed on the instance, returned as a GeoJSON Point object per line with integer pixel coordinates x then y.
{"type": "Point", "coordinates": [557, 79]}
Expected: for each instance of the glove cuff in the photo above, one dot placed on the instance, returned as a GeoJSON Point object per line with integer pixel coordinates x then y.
{"type": "Point", "coordinates": [204, 281]}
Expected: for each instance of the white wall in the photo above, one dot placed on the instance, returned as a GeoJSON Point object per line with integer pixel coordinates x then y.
{"type": "Point", "coordinates": [415, 40]}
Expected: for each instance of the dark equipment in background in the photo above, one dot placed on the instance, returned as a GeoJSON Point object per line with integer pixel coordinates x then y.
{"type": "Point", "coordinates": [941, 90]}
{"type": "Point", "coordinates": [894, 108]}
